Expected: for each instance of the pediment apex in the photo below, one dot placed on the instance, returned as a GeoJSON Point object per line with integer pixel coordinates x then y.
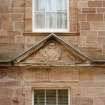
{"type": "Point", "coordinates": [71, 53]}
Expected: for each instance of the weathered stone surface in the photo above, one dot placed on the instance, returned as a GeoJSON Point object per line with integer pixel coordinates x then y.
{"type": "Point", "coordinates": [85, 88]}
{"type": "Point", "coordinates": [82, 101]}
{"type": "Point", "coordinates": [52, 52]}
{"type": "Point", "coordinates": [88, 16]}
{"type": "Point", "coordinates": [86, 84]}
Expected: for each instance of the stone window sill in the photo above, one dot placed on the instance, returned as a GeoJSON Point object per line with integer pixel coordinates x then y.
{"type": "Point", "coordinates": [47, 33]}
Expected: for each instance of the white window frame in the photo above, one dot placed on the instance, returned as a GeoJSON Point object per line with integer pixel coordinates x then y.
{"type": "Point", "coordinates": [69, 94]}
{"type": "Point", "coordinates": [51, 30]}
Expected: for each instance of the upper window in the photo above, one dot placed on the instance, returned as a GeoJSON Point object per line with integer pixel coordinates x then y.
{"type": "Point", "coordinates": [50, 15]}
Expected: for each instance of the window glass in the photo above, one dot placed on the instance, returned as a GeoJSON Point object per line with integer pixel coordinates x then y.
{"type": "Point", "coordinates": [39, 20]}
{"type": "Point", "coordinates": [50, 15]}
{"type": "Point", "coordinates": [62, 97]}
{"type": "Point", "coordinates": [51, 97]}
{"type": "Point", "coordinates": [39, 97]}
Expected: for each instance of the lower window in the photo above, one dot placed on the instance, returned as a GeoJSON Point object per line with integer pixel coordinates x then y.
{"type": "Point", "coordinates": [50, 97]}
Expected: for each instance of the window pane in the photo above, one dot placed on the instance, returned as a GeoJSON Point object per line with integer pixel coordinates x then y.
{"type": "Point", "coordinates": [51, 97]}
{"type": "Point", "coordinates": [61, 5]}
{"type": "Point", "coordinates": [51, 5]}
{"type": "Point", "coordinates": [61, 20]}
{"type": "Point", "coordinates": [56, 5]}
{"type": "Point", "coordinates": [63, 97]}
{"type": "Point", "coordinates": [40, 5]}
{"type": "Point", "coordinates": [39, 20]}
{"type": "Point", "coordinates": [51, 21]}
{"type": "Point", "coordinates": [39, 97]}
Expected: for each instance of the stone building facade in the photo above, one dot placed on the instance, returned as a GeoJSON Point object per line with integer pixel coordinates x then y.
{"type": "Point", "coordinates": [66, 66]}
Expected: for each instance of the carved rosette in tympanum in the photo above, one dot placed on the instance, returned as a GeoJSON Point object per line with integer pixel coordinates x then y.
{"type": "Point", "coordinates": [51, 52]}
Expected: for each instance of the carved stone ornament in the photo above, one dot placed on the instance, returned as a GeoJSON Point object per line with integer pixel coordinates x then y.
{"type": "Point", "coordinates": [54, 52]}
{"type": "Point", "coordinates": [51, 52]}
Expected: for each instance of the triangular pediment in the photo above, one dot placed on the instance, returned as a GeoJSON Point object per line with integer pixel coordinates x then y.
{"type": "Point", "coordinates": [52, 50]}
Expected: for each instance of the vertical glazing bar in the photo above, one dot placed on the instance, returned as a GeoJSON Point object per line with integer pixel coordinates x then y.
{"type": "Point", "coordinates": [33, 16]}
{"type": "Point", "coordinates": [69, 97]}
{"type": "Point", "coordinates": [56, 97]}
{"type": "Point", "coordinates": [68, 14]}
{"type": "Point", "coordinates": [33, 97]}
{"type": "Point", "coordinates": [45, 96]}
{"type": "Point", "coordinates": [45, 15]}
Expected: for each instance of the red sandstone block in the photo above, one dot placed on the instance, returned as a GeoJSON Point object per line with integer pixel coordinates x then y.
{"type": "Point", "coordinates": [13, 33]}
{"type": "Point", "coordinates": [18, 3]}
{"type": "Point", "coordinates": [84, 26]}
{"type": "Point", "coordinates": [5, 10]}
{"type": "Point", "coordinates": [97, 26]}
{"type": "Point", "coordinates": [19, 26]}
{"type": "Point", "coordinates": [28, 25]}
{"type": "Point", "coordinates": [5, 101]}
{"type": "Point", "coordinates": [100, 10]}
{"type": "Point", "coordinates": [94, 17]}
{"type": "Point", "coordinates": [104, 17]}
{"type": "Point", "coordinates": [18, 17]}
{"type": "Point", "coordinates": [6, 39]}
{"type": "Point", "coordinates": [95, 3]}
{"type": "Point", "coordinates": [101, 33]}
{"type": "Point", "coordinates": [103, 3]}
{"type": "Point", "coordinates": [82, 17]}
{"type": "Point", "coordinates": [6, 3]}
{"type": "Point", "coordinates": [73, 27]}
{"type": "Point", "coordinates": [28, 3]}
{"type": "Point", "coordinates": [88, 10]}
{"type": "Point", "coordinates": [28, 12]}
{"type": "Point", "coordinates": [18, 10]}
